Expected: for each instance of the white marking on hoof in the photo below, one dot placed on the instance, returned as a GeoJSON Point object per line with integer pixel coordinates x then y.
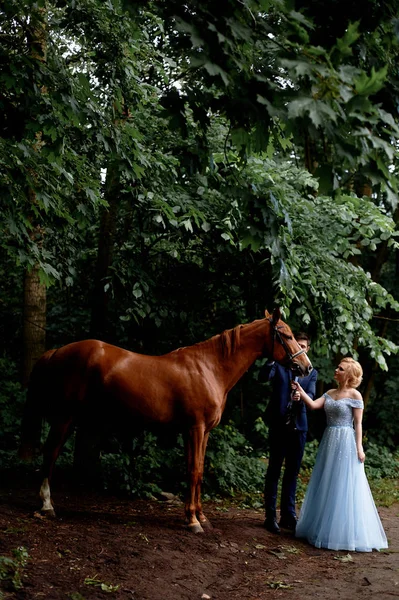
{"type": "Point", "coordinates": [45, 495]}
{"type": "Point", "coordinates": [195, 528]}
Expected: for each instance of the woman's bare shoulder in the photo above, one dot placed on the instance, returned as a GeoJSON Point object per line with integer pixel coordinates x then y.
{"type": "Point", "coordinates": [356, 395]}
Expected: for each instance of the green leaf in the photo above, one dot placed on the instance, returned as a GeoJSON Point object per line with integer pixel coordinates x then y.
{"type": "Point", "coordinates": [214, 69]}
{"type": "Point", "coordinates": [319, 112]}
{"type": "Point", "coordinates": [344, 44]}
{"type": "Point", "coordinates": [367, 85]}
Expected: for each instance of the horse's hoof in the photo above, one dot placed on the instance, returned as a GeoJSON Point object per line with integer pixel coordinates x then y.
{"type": "Point", "coordinates": [195, 528]}
{"type": "Point", "coordinates": [49, 513]}
{"type": "Point", "coordinates": [206, 524]}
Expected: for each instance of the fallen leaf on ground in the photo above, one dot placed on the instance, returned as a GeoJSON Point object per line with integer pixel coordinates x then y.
{"type": "Point", "coordinates": [278, 553]}
{"type": "Point", "coordinates": [278, 585]}
{"type": "Point", "coordinates": [291, 549]}
{"type": "Point", "coordinates": [346, 558]}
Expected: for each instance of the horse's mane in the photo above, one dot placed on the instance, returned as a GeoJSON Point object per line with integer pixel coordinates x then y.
{"type": "Point", "coordinates": [228, 341]}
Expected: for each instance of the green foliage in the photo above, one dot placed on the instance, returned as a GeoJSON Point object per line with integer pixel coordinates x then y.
{"type": "Point", "coordinates": [104, 587]}
{"type": "Point", "coordinates": [261, 429]}
{"type": "Point", "coordinates": [147, 469]}
{"type": "Point", "coordinates": [380, 462]}
{"type": "Point", "coordinates": [11, 570]}
{"type": "Point", "coordinates": [230, 464]}
{"type": "Point", "coordinates": [182, 192]}
{"type": "Point", "coordinates": [309, 455]}
{"type": "Point", "coordinates": [381, 421]}
{"type": "Point", "coordinates": [314, 259]}
{"type": "Point", "coordinates": [76, 596]}
{"type": "Point", "coordinates": [12, 400]}
{"type": "Point", "coordinates": [44, 181]}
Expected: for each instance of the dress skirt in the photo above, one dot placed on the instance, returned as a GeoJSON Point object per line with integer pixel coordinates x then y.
{"type": "Point", "coordinates": [338, 511]}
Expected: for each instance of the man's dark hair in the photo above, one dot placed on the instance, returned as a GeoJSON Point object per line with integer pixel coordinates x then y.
{"type": "Point", "coordinates": [301, 335]}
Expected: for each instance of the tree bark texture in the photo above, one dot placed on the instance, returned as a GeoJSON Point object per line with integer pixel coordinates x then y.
{"type": "Point", "coordinates": [34, 310]}
{"type": "Point", "coordinates": [106, 242]}
{"type": "Point", "coordinates": [34, 326]}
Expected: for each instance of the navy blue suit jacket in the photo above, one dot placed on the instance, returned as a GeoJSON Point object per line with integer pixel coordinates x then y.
{"type": "Point", "coordinates": [281, 393]}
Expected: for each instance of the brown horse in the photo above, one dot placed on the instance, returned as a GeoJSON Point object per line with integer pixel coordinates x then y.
{"type": "Point", "coordinates": [89, 381]}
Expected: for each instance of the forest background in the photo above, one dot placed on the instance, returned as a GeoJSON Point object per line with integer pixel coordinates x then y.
{"type": "Point", "coordinates": [169, 170]}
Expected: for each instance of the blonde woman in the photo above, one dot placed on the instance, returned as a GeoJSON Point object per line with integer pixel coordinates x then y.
{"type": "Point", "coordinates": [338, 511]}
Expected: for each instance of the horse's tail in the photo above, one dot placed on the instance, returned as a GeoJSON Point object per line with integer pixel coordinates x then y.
{"type": "Point", "coordinates": [34, 409]}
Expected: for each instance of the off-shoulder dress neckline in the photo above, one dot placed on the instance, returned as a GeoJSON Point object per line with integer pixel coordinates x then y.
{"type": "Point", "coordinates": [339, 399]}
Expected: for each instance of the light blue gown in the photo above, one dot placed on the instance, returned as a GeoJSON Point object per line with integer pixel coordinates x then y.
{"type": "Point", "coordinates": [338, 511]}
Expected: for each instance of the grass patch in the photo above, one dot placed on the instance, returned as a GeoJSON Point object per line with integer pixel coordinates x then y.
{"type": "Point", "coordinates": [385, 491]}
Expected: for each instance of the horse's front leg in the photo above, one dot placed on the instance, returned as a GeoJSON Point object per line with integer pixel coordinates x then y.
{"type": "Point", "coordinates": [194, 445]}
{"type": "Point", "coordinates": [56, 439]}
{"type": "Point", "coordinates": [200, 514]}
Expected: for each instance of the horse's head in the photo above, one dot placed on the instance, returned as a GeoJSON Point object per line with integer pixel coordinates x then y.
{"type": "Point", "coordinates": [284, 348]}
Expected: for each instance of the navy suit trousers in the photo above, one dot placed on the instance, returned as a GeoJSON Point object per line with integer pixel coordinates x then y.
{"type": "Point", "coordinates": [285, 445]}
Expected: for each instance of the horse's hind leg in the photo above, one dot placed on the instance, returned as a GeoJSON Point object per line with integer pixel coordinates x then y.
{"type": "Point", "coordinates": [200, 514]}
{"type": "Point", "coordinates": [56, 439]}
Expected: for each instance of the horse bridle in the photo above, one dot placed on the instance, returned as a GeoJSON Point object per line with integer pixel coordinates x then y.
{"type": "Point", "coordinates": [277, 335]}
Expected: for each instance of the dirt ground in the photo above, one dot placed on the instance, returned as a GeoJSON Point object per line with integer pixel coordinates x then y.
{"type": "Point", "coordinates": [106, 547]}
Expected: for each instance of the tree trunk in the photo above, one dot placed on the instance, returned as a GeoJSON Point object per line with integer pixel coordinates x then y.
{"type": "Point", "coordinates": [34, 326]}
{"type": "Point", "coordinates": [34, 309]}
{"type": "Point", "coordinates": [98, 325]}
{"type": "Point", "coordinates": [87, 444]}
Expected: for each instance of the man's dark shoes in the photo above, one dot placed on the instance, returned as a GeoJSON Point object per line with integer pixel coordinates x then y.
{"type": "Point", "coordinates": [271, 525]}
{"type": "Point", "coordinates": [288, 522]}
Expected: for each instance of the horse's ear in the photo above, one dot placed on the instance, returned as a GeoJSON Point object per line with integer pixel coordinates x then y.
{"type": "Point", "coordinates": [276, 315]}
{"type": "Point", "coordinates": [267, 314]}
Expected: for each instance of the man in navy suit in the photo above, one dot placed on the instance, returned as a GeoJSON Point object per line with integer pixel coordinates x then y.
{"type": "Point", "coordinates": [287, 420]}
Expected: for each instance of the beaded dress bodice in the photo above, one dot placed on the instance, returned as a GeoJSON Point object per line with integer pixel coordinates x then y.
{"type": "Point", "coordinates": [339, 412]}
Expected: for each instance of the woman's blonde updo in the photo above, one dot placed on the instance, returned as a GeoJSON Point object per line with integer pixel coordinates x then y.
{"type": "Point", "coordinates": [354, 372]}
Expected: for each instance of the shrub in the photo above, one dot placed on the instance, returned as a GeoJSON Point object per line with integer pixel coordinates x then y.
{"type": "Point", "coordinates": [231, 465]}
{"type": "Point", "coordinates": [380, 462]}
{"type": "Point", "coordinates": [11, 569]}
{"type": "Point", "coordinates": [309, 456]}
{"type": "Point", "coordinates": [12, 400]}
{"type": "Point", "coordinates": [146, 469]}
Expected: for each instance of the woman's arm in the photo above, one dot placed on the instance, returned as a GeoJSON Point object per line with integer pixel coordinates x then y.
{"type": "Point", "coordinates": [312, 404]}
{"type": "Point", "coordinates": [357, 418]}
{"type": "Point", "coordinates": [311, 384]}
